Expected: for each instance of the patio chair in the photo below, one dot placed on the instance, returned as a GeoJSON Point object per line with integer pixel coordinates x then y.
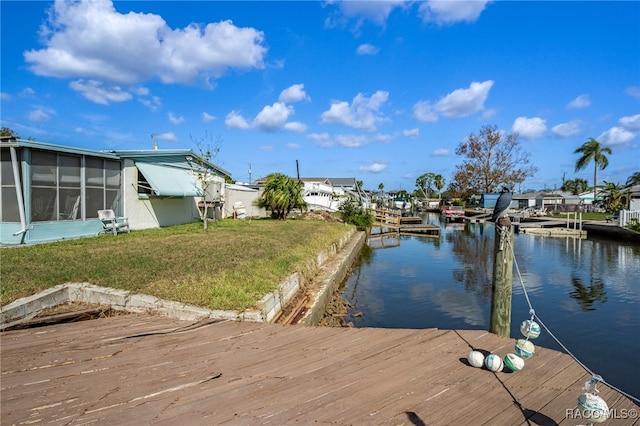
{"type": "Point", "coordinates": [111, 223]}
{"type": "Point", "coordinates": [615, 218]}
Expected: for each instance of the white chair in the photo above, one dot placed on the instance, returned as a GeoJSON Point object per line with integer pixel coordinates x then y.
{"type": "Point", "coordinates": [111, 223]}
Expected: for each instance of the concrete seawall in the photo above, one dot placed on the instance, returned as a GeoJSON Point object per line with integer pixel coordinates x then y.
{"type": "Point", "coordinates": [319, 279]}
{"type": "Point", "coordinates": [332, 274]}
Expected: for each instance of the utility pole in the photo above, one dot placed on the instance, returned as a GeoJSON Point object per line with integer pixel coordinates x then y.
{"type": "Point", "coordinates": [500, 323]}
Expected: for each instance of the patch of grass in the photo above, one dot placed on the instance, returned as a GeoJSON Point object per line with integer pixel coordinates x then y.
{"type": "Point", "coordinates": [585, 216]}
{"type": "Point", "coordinates": [229, 266]}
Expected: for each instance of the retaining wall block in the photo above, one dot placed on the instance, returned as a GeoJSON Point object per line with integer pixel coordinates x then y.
{"type": "Point", "coordinates": [253, 315]}
{"type": "Point", "coordinates": [91, 294]}
{"type": "Point", "coordinates": [29, 305]}
{"type": "Point", "coordinates": [181, 311]}
{"type": "Point", "coordinates": [141, 303]}
{"type": "Point", "coordinates": [227, 315]}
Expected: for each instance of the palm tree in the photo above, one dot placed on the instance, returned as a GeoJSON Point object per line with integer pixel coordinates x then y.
{"type": "Point", "coordinates": [592, 150]}
{"type": "Point", "coordinates": [281, 195]}
{"type": "Point", "coordinates": [438, 182]}
{"type": "Point", "coordinates": [575, 186]}
{"type": "Point", "coordinates": [380, 192]}
{"type": "Point", "coordinates": [613, 199]}
{"type": "Point", "coordinates": [634, 179]}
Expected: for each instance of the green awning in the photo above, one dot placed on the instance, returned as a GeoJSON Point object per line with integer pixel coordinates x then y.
{"type": "Point", "coordinates": [167, 181]}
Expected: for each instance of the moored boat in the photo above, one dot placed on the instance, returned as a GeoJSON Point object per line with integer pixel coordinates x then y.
{"type": "Point", "coordinates": [453, 213]}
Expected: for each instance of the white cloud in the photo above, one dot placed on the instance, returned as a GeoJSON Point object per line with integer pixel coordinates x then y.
{"type": "Point", "coordinates": [140, 91]}
{"type": "Point", "coordinates": [296, 126]}
{"type": "Point", "coordinates": [168, 136]}
{"type": "Point", "coordinates": [440, 152]}
{"type": "Point", "coordinates": [38, 115]}
{"type": "Point", "coordinates": [293, 146]}
{"type": "Point", "coordinates": [272, 117]}
{"type": "Point", "coordinates": [375, 11]}
{"type": "Point", "coordinates": [564, 130]}
{"type": "Point", "coordinates": [321, 139]}
{"type": "Point", "coordinates": [411, 133]}
{"type": "Point", "coordinates": [91, 40]}
{"type": "Point", "coordinates": [152, 103]}
{"type": "Point", "coordinates": [380, 137]}
{"type": "Point", "coordinates": [373, 168]}
{"type": "Point", "coordinates": [294, 93]}
{"type": "Point", "coordinates": [352, 141]}
{"type": "Point", "coordinates": [529, 128]}
{"type": "Point", "coordinates": [98, 92]}
{"type": "Point", "coordinates": [488, 113]}
{"type": "Point", "coordinates": [423, 111]}
{"type": "Point", "coordinates": [363, 113]}
{"type": "Point", "coordinates": [616, 136]}
{"type": "Point", "coordinates": [633, 91]}
{"type": "Point", "coordinates": [207, 118]}
{"type": "Point", "coordinates": [27, 91]}
{"type": "Point", "coordinates": [581, 101]}
{"type": "Point", "coordinates": [449, 12]}
{"type": "Point", "coordinates": [464, 102]}
{"type": "Point", "coordinates": [5, 96]}
{"type": "Point", "coordinates": [367, 49]}
{"type": "Point", "coordinates": [266, 148]}
{"type": "Point", "coordinates": [631, 123]}
{"type": "Point", "coordinates": [83, 131]}
{"type": "Point", "coordinates": [174, 119]}
{"type": "Point", "coordinates": [234, 120]}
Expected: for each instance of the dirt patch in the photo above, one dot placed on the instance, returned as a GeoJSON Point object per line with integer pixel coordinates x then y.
{"type": "Point", "coordinates": [321, 215]}
{"type": "Point", "coordinates": [65, 313]}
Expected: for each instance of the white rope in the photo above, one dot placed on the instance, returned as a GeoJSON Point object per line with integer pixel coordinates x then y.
{"type": "Point", "coordinates": [533, 314]}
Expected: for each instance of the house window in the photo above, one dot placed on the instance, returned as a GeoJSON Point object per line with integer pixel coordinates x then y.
{"type": "Point", "coordinates": [44, 186]}
{"type": "Point", "coordinates": [102, 183]}
{"type": "Point", "coordinates": [8, 198]}
{"type": "Point", "coordinates": [69, 206]}
{"type": "Point", "coordinates": [144, 188]}
{"type": "Point", "coordinates": [55, 186]}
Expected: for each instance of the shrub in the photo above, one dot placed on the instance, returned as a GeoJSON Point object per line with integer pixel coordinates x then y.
{"type": "Point", "coordinates": [352, 212]}
{"type": "Point", "coordinates": [634, 225]}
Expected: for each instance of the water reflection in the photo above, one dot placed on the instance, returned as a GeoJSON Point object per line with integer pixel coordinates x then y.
{"type": "Point", "coordinates": [474, 253]}
{"type": "Point", "coordinates": [587, 296]}
{"type": "Point", "coordinates": [586, 291]}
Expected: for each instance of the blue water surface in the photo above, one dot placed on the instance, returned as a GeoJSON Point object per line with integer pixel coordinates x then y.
{"type": "Point", "coordinates": [587, 292]}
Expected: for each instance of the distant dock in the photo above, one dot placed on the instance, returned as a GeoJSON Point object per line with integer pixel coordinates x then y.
{"type": "Point", "coordinates": [392, 221]}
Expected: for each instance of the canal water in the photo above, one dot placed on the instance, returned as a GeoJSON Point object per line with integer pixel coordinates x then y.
{"type": "Point", "coordinates": [587, 292]}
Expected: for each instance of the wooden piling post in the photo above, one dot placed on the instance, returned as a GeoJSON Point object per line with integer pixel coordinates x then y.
{"type": "Point", "coordinates": [500, 322]}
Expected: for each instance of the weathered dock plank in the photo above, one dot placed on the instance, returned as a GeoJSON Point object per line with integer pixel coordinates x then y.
{"type": "Point", "coordinates": [136, 369]}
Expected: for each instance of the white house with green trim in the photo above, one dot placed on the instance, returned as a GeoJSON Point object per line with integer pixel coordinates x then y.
{"type": "Point", "coordinates": [51, 192]}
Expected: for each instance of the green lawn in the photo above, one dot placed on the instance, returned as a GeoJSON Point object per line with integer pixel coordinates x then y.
{"type": "Point", "coordinates": [230, 266]}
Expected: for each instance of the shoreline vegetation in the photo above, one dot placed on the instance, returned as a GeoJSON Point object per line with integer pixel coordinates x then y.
{"type": "Point", "coordinates": [229, 266]}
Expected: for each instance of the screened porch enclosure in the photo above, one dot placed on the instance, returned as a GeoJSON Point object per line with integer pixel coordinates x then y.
{"type": "Point", "coordinates": [59, 186]}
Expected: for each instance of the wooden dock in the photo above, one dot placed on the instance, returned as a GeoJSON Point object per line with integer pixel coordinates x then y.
{"type": "Point", "coordinates": [392, 221]}
{"type": "Point", "coordinates": [140, 370]}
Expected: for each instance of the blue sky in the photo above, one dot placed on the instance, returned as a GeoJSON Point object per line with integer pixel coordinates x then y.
{"type": "Point", "coordinates": [382, 91]}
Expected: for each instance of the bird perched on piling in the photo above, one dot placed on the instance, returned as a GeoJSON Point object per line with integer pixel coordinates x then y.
{"type": "Point", "coordinates": [502, 204]}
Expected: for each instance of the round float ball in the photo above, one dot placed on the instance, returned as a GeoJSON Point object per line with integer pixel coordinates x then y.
{"type": "Point", "coordinates": [493, 363]}
{"type": "Point", "coordinates": [476, 359]}
{"type": "Point", "coordinates": [530, 329]}
{"type": "Point", "coordinates": [593, 408]}
{"type": "Point", "coordinates": [524, 348]}
{"type": "Point", "coordinates": [513, 362]}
